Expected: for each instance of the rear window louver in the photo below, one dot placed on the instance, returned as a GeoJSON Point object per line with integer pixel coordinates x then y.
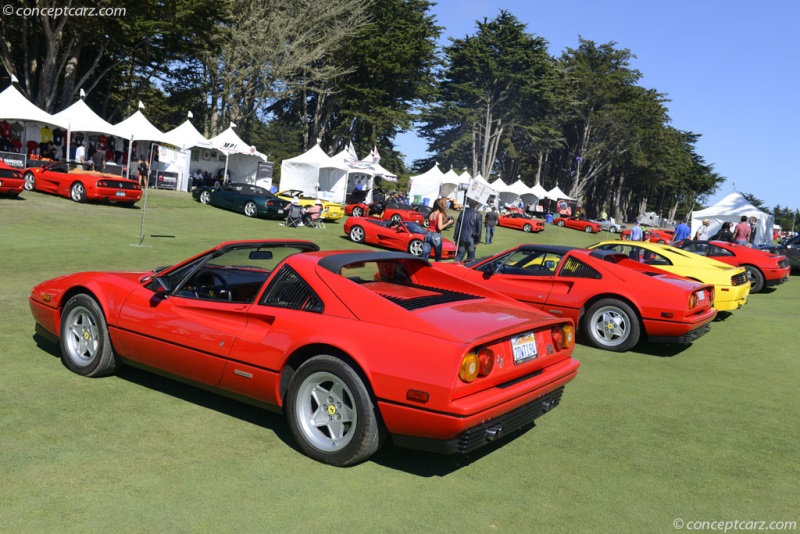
{"type": "Point", "coordinates": [441, 296]}
{"type": "Point", "coordinates": [577, 269]}
{"type": "Point", "coordinates": [290, 291]}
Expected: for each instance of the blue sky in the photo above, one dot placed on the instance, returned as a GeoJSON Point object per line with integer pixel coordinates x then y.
{"type": "Point", "coordinates": [731, 70]}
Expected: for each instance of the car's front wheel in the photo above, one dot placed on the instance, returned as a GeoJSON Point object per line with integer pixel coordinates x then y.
{"type": "Point", "coordinates": [77, 192]}
{"type": "Point", "coordinates": [416, 247]}
{"type": "Point", "coordinates": [250, 209]}
{"type": "Point", "coordinates": [331, 413]}
{"type": "Point", "coordinates": [588, 229]}
{"type": "Point", "coordinates": [756, 279]}
{"type": "Point", "coordinates": [30, 181]}
{"type": "Point", "coordinates": [527, 228]}
{"type": "Point", "coordinates": [205, 196]}
{"type": "Point", "coordinates": [357, 212]}
{"type": "Point", "coordinates": [561, 223]}
{"type": "Point", "coordinates": [85, 346]}
{"type": "Point", "coordinates": [357, 234]}
{"type": "Point", "coordinates": [611, 324]}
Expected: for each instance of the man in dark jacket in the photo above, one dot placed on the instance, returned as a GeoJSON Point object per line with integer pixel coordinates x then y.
{"type": "Point", "coordinates": [490, 222]}
{"type": "Point", "coordinates": [468, 232]}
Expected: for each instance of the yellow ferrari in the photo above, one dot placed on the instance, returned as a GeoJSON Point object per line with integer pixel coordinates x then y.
{"type": "Point", "coordinates": [731, 284]}
{"type": "Point", "coordinates": [331, 211]}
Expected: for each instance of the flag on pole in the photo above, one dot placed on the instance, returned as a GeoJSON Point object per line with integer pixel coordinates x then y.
{"type": "Point", "coordinates": [83, 94]}
{"type": "Point", "coordinates": [376, 158]}
{"type": "Point", "coordinates": [141, 105]}
{"type": "Point", "coordinates": [190, 115]}
{"type": "Point", "coordinates": [233, 125]}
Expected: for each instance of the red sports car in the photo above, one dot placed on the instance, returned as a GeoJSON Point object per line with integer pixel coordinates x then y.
{"type": "Point", "coordinates": [610, 297]}
{"type": "Point", "coordinates": [81, 185]}
{"type": "Point", "coordinates": [764, 269]}
{"type": "Point", "coordinates": [11, 181]}
{"type": "Point", "coordinates": [353, 346]}
{"type": "Point", "coordinates": [577, 223]}
{"type": "Point", "coordinates": [384, 212]}
{"type": "Point", "coordinates": [520, 221]}
{"type": "Point", "coordinates": [653, 235]}
{"type": "Point", "coordinates": [406, 236]}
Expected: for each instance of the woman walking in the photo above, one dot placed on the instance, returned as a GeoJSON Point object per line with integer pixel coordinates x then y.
{"type": "Point", "coordinates": [437, 221]}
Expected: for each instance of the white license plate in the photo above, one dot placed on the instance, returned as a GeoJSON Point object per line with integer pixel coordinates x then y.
{"type": "Point", "coordinates": [524, 348]}
{"type": "Point", "coordinates": [701, 295]}
{"type": "Point", "coordinates": [120, 193]}
{"type": "Point", "coordinates": [280, 211]}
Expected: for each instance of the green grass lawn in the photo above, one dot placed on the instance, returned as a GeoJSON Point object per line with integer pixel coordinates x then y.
{"type": "Point", "coordinates": [708, 432]}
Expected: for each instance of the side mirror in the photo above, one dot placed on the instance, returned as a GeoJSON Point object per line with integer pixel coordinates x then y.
{"type": "Point", "coordinates": [161, 288]}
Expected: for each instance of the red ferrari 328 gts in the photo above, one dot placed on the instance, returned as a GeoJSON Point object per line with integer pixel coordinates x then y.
{"type": "Point", "coordinates": [612, 299]}
{"type": "Point", "coordinates": [80, 185]}
{"type": "Point", "coordinates": [353, 346]}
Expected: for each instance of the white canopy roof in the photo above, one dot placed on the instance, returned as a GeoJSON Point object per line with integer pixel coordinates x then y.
{"type": "Point", "coordinates": [426, 185]}
{"type": "Point", "coordinates": [731, 209]}
{"type": "Point", "coordinates": [230, 143]}
{"type": "Point", "coordinates": [557, 194]}
{"type": "Point", "coordinates": [377, 169]}
{"type": "Point", "coordinates": [138, 128]}
{"type": "Point", "coordinates": [15, 107]}
{"type": "Point", "coordinates": [520, 188]}
{"type": "Point", "coordinates": [482, 180]}
{"type": "Point", "coordinates": [451, 177]}
{"type": "Point", "coordinates": [80, 118]}
{"type": "Point", "coordinates": [501, 187]}
{"type": "Point", "coordinates": [186, 136]}
{"type": "Point", "coordinates": [538, 191]}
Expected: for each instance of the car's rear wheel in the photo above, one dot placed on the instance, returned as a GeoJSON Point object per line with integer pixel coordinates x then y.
{"type": "Point", "coordinates": [756, 278]}
{"type": "Point", "coordinates": [561, 223]}
{"type": "Point", "coordinates": [527, 228]}
{"type": "Point", "coordinates": [77, 192]}
{"type": "Point", "coordinates": [661, 242]}
{"type": "Point", "coordinates": [205, 196]}
{"type": "Point", "coordinates": [612, 229]}
{"type": "Point", "coordinates": [396, 219]}
{"type": "Point", "coordinates": [611, 324]}
{"type": "Point", "coordinates": [250, 209]}
{"type": "Point", "coordinates": [85, 346]}
{"type": "Point", "coordinates": [331, 413]}
{"type": "Point", "coordinates": [588, 229]}
{"type": "Point", "coordinates": [357, 212]}
{"type": "Point", "coordinates": [416, 247]}
{"type": "Point", "coordinates": [30, 181]}
{"type": "Point", "coordinates": [357, 234]}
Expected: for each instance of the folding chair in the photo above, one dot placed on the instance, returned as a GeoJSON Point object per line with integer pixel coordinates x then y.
{"type": "Point", "coordinates": [294, 218]}
{"type": "Point", "coordinates": [317, 223]}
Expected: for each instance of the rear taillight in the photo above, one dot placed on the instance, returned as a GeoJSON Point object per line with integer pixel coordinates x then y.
{"type": "Point", "coordinates": [477, 362]}
{"type": "Point", "coordinates": [563, 336]}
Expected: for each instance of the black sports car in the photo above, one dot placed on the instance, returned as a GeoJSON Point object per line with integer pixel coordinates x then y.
{"type": "Point", "coordinates": [251, 200]}
{"type": "Point", "coordinates": [790, 248]}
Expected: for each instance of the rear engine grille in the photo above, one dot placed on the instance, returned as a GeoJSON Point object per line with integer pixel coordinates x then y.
{"type": "Point", "coordinates": [442, 296]}
{"type": "Point", "coordinates": [483, 434]}
{"type": "Point", "coordinates": [739, 279]}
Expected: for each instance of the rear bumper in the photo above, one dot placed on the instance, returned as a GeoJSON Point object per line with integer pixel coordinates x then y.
{"type": "Point", "coordinates": [731, 297]}
{"type": "Point", "coordinates": [684, 339]}
{"type": "Point", "coordinates": [776, 277]}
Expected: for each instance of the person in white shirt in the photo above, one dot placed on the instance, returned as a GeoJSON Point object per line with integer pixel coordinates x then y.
{"type": "Point", "coordinates": [702, 232]}
{"type": "Point", "coordinates": [80, 155]}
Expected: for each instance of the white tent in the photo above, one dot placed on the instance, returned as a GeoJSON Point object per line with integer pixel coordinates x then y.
{"type": "Point", "coordinates": [731, 209]}
{"type": "Point", "coordinates": [15, 107]}
{"type": "Point", "coordinates": [376, 168]}
{"type": "Point", "coordinates": [424, 188]}
{"type": "Point", "coordinates": [241, 162]}
{"type": "Point", "coordinates": [557, 194]}
{"type": "Point", "coordinates": [80, 118]}
{"type": "Point", "coordinates": [507, 194]}
{"type": "Point", "coordinates": [539, 192]}
{"type": "Point", "coordinates": [482, 180]}
{"type": "Point", "coordinates": [315, 174]}
{"type": "Point", "coordinates": [138, 128]}
{"type": "Point", "coordinates": [186, 136]}
{"type": "Point", "coordinates": [450, 186]}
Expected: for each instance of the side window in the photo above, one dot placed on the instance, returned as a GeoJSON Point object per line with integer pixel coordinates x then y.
{"type": "Point", "coordinates": [288, 290]}
{"type": "Point", "coordinates": [719, 251]}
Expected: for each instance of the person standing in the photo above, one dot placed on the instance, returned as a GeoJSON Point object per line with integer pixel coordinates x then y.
{"type": "Point", "coordinates": [99, 160]}
{"type": "Point", "coordinates": [143, 174]}
{"type": "Point", "coordinates": [741, 234]}
{"type": "Point", "coordinates": [752, 222]}
{"type": "Point", "coordinates": [490, 221]}
{"type": "Point", "coordinates": [437, 221]}
{"type": "Point", "coordinates": [725, 233]}
{"type": "Point", "coordinates": [702, 232]}
{"type": "Point", "coordinates": [682, 231]}
{"type": "Point", "coordinates": [468, 232]}
{"type": "Point", "coordinates": [80, 155]}
{"type": "Point", "coordinates": [636, 232]}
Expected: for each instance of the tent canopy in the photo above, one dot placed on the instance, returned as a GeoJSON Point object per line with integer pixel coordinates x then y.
{"type": "Point", "coordinates": [230, 143]}
{"type": "Point", "coordinates": [731, 209]}
{"type": "Point", "coordinates": [309, 170]}
{"type": "Point", "coordinates": [15, 107]}
{"type": "Point", "coordinates": [186, 136]}
{"type": "Point", "coordinates": [138, 128]}
{"type": "Point", "coordinates": [424, 188]}
{"type": "Point", "coordinates": [557, 194]}
{"type": "Point", "coordinates": [80, 118]}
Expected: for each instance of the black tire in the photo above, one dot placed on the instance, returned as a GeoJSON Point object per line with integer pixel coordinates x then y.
{"type": "Point", "coordinates": [527, 228]}
{"type": "Point", "coordinates": [396, 219]}
{"type": "Point", "coordinates": [85, 346]}
{"type": "Point", "coordinates": [416, 247]}
{"type": "Point", "coordinates": [357, 234]}
{"type": "Point", "coordinates": [662, 242]}
{"type": "Point", "coordinates": [205, 196]}
{"type": "Point", "coordinates": [612, 229]}
{"type": "Point", "coordinates": [561, 224]}
{"type": "Point", "coordinates": [611, 324]}
{"type": "Point", "coordinates": [358, 212]}
{"type": "Point", "coordinates": [77, 192]}
{"type": "Point", "coordinates": [30, 181]}
{"type": "Point", "coordinates": [756, 279]}
{"type": "Point", "coordinates": [331, 413]}
{"type": "Point", "coordinates": [250, 209]}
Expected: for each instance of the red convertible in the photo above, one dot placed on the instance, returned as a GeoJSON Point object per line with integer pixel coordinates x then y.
{"type": "Point", "coordinates": [653, 235]}
{"type": "Point", "coordinates": [520, 221]}
{"type": "Point", "coordinates": [11, 181]}
{"type": "Point", "coordinates": [406, 236]}
{"type": "Point", "coordinates": [577, 223]}
{"type": "Point", "coordinates": [764, 269]}
{"type": "Point", "coordinates": [384, 212]}
{"type": "Point", "coordinates": [352, 346]}
{"type": "Point", "coordinates": [610, 297]}
{"type": "Point", "coordinates": [80, 185]}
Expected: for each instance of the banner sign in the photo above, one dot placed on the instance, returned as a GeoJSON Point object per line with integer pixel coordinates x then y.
{"type": "Point", "coordinates": [12, 159]}
{"type": "Point", "coordinates": [167, 180]}
{"type": "Point", "coordinates": [479, 192]}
